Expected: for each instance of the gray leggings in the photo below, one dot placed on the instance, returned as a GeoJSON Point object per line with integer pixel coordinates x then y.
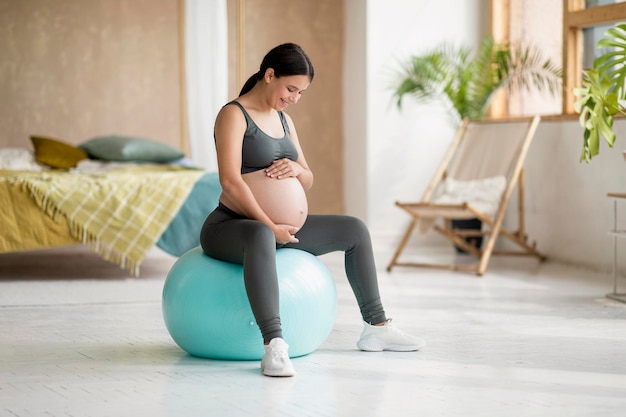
{"type": "Point", "coordinates": [231, 237]}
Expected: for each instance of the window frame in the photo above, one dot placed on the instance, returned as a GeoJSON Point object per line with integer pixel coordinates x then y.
{"type": "Point", "coordinates": [575, 18]}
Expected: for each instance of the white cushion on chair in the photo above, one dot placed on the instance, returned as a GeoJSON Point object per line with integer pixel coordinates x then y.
{"type": "Point", "coordinates": [484, 194]}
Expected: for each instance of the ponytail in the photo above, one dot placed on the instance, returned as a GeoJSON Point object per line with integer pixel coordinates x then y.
{"type": "Point", "coordinates": [254, 78]}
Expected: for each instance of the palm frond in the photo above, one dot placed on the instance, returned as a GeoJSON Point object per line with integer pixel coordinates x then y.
{"type": "Point", "coordinates": [488, 67]}
{"type": "Point", "coordinates": [529, 70]}
{"type": "Point", "coordinates": [425, 76]}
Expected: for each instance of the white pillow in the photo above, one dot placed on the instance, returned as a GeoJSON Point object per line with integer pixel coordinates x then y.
{"type": "Point", "coordinates": [18, 159]}
{"type": "Point", "coordinates": [484, 194]}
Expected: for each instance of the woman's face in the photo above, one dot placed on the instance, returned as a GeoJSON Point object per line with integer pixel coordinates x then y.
{"type": "Point", "coordinates": [287, 90]}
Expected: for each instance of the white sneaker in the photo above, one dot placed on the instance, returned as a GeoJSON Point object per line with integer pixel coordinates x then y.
{"type": "Point", "coordinates": [387, 337]}
{"type": "Point", "coordinates": [276, 360]}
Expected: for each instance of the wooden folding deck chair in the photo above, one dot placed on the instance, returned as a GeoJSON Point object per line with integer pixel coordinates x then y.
{"type": "Point", "coordinates": [481, 151]}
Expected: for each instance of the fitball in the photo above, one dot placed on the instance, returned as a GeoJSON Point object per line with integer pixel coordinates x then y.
{"type": "Point", "coordinates": [207, 313]}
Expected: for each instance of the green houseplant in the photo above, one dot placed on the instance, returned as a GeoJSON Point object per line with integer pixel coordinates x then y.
{"type": "Point", "coordinates": [601, 92]}
{"type": "Point", "coordinates": [467, 82]}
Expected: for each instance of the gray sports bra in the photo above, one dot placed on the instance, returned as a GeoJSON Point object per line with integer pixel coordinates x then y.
{"type": "Point", "coordinates": [259, 149]}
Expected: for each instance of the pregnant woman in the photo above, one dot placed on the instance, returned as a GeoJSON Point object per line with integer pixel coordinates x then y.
{"type": "Point", "coordinates": [263, 206]}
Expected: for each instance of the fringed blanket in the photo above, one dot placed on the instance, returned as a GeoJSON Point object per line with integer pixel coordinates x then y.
{"type": "Point", "coordinates": [120, 214]}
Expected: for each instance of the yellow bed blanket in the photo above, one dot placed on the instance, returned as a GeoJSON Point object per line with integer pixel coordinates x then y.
{"type": "Point", "coordinates": [119, 214]}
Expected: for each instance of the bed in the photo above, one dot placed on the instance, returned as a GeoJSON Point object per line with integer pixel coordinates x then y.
{"type": "Point", "coordinates": [119, 209]}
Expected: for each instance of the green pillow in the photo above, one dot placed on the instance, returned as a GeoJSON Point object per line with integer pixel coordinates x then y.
{"type": "Point", "coordinates": [129, 149]}
{"type": "Point", "coordinates": [56, 153]}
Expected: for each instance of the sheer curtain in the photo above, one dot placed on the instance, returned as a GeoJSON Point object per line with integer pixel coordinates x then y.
{"type": "Point", "coordinates": [206, 62]}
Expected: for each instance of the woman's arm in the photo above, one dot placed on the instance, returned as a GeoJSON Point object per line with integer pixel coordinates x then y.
{"type": "Point", "coordinates": [283, 168]}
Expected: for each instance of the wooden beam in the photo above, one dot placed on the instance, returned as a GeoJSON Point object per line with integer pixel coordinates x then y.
{"type": "Point", "coordinates": [500, 33]}
{"type": "Point", "coordinates": [499, 20]}
{"type": "Point", "coordinates": [572, 56]}
{"type": "Point", "coordinates": [182, 79]}
{"type": "Point", "coordinates": [241, 38]}
{"type": "Point", "coordinates": [599, 15]}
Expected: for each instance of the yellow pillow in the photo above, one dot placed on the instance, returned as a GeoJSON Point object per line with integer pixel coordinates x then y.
{"type": "Point", "coordinates": [55, 153]}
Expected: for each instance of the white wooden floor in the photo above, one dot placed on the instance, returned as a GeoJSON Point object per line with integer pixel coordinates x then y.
{"type": "Point", "coordinates": [79, 338]}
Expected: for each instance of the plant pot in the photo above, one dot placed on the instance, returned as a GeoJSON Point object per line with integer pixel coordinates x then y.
{"type": "Point", "coordinates": [468, 224]}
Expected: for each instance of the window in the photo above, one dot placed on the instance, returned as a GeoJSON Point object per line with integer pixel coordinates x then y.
{"type": "Point", "coordinates": [567, 32]}
{"type": "Point", "coordinates": [584, 23]}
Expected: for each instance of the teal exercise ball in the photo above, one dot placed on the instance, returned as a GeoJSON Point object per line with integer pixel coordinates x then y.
{"type": "Point", "coordinates": [207, 313]}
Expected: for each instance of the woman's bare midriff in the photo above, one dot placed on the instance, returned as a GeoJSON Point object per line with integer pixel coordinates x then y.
{"type": "Point", "coordinates": [283, 200]}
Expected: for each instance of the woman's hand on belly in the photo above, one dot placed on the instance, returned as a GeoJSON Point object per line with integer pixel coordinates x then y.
{"type": "Point", "coordinates": [283, 168]}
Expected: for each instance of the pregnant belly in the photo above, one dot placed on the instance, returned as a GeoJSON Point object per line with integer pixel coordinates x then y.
{"type": "Point", "coordinates": [284, 200]}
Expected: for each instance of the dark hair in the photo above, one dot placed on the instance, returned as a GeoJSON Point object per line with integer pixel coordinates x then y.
{"type": "Point", "coordinates": [286, 59]}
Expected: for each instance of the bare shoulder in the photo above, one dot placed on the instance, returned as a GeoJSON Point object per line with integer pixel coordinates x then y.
{"type": "Point", "coordinates": [230, 110]}
{"type": "Point", "coordinates": [230, 115]}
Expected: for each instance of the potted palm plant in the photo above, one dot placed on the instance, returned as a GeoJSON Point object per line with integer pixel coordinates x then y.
{"type": "Point", "coordinates": [602, 94]}
{"type": "Point", "coordinates": [467, 82]}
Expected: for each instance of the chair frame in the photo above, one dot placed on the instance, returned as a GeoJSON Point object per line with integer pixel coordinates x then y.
{"type": "Point", "coordinates": [494, 225]}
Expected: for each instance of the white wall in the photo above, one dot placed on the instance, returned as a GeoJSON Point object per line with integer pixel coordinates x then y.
{"type": "Point", "coordinates": [567, 210]}
{"type": "Point", "coordinates": [391, 154]}
{"type": "Point", "coordinates": [401, 148]}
